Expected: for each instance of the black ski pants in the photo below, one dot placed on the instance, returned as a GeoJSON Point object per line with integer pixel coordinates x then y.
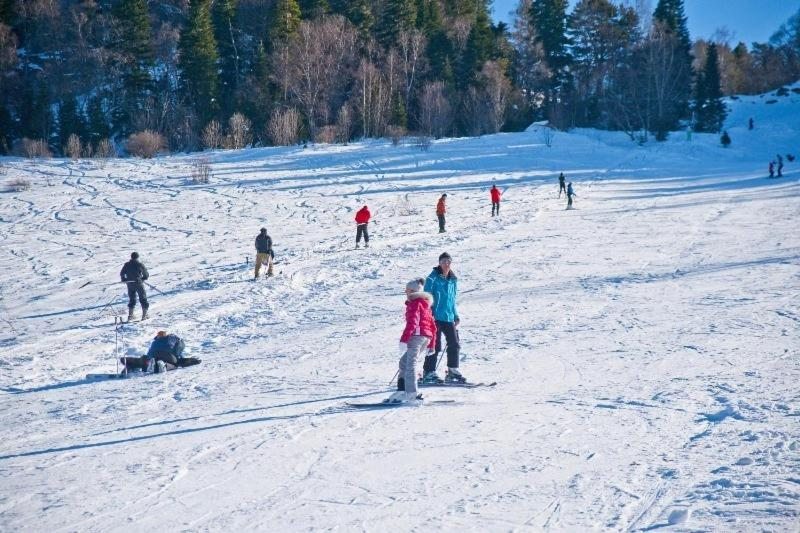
{"type": "Point", "coordinates": [561, 187]}
{"type": "Point", "coordinates": [137, 289]}
{"type": "Point", "coordinates": [361, 229]}
{"type": "Point", "coordinates": [441, 223]}
{"type": "Point", "coordinates": [495, 208]}
{"type": "Point", "coordinates": [453, 347]}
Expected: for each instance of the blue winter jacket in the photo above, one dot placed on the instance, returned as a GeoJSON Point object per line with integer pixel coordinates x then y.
{"type": "Point", "coordinates": [169, 344]}
{"type": "Point", "coordinates": [444, 291]}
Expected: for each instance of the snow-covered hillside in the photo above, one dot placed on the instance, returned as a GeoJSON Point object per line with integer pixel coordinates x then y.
{"type": "Point", "coordinates": [645, 344]}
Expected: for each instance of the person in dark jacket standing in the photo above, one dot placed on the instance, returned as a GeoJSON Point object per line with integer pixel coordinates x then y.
{"type": "Point", "coordinates": [561, 184]}
{"type": "Point", "coordinates": [133, 274]}
{"type": "Point", "coordinates": [442, 283]}
{"type": "Point", "coordinates": [264, 253]}
{"type": "Point", "coordinates": [441, 209]}
{"type": "Point", "coordinates": [494, 192]}
{"type": "Point", "coordinates": [362, 219]}
{"type": "Point", "coordinates": [780, 165]}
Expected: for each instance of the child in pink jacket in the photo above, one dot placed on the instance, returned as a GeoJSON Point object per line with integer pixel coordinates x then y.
{"type": "Point", "coordinates": [418, 337]}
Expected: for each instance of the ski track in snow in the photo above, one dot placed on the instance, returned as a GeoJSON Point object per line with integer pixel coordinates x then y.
{"type": "Point", "coordinates": [645, 343]}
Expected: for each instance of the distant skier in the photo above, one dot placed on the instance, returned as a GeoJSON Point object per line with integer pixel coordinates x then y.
{"type": "Point", "coordinates": [570, 194]}
{"type": "Point", "coordinates": [441, 209]}
{"type": "Point", "coordinates": [495, 194]}
{"type": "Point", "coordinates": [264, 253]}
{"type": "Point", "coordinates": [750, 124]}
{"type": "Point", "coordinates": [561, 182]}
{"type": "Point", "coordinates": [780, 165]}
{"type": "Point", "coordinates": [417, 338]}
{"type": "Point", "coordinates": [362, 219]}
{"type": "Point", "coordinates": [442, 283]}
{"type": "Point", "coordinates": [134, 274]}
{"type": "Point", "coordinates": [772, 169]}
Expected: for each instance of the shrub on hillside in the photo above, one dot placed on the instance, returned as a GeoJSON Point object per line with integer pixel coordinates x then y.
{"type": "Point", "coordinates": [284, 127]}
{"type": "Point", "coordinates": [326, 135]}
{"type": "Point", "coordinates": [239, 132]}
{"type": "Point", "coordinates": [32, 148]}
{"type": "Point", "coordinates": [74, 148]}
{"type": "Point", "coordinates": [145, 144]}
{"type": "Point", "coordinates": [396, 134]}
{"type": "Point", "coordinates": [212, 135]}
{"type": "Point", "coordinates": [725, 139]}
{"type": "Point", "coordinates": [19, 184]}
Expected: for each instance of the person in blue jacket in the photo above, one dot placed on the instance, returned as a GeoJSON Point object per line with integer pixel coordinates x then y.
{"type": "Point", "coordinates": [442, 283]}
{"type": "Point", "coordinates": [165, 353]}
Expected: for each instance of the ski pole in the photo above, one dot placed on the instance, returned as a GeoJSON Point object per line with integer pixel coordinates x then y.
{"type": "Point", "coordinates": [116, 346]}
{"type": "Point", "coordinates": [444, 349]}
{"type": "Point", "coordinates": [154, 288]}
{"type": "Point", "coordinates": [395, 375]}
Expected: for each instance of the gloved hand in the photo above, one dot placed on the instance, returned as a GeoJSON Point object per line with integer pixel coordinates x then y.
{"type": "Point", "coordinates": [402, 347]}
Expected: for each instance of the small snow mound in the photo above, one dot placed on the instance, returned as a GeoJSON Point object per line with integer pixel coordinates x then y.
{"type": "Point", "coordinates": [679, 516]}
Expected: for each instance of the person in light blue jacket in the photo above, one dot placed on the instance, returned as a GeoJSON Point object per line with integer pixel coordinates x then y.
{"type": "Point", "coordinates": [442, 283]}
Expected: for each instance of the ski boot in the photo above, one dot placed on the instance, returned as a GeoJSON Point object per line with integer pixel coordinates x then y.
{"type": "Point", "coordinates": [130, 315]}
{"type": "Point", "coordinates": [396, 397]}
{"type": "Point", "coordinates": [431, 378]}
{"type": "Point", "coordinates": [454, 376]}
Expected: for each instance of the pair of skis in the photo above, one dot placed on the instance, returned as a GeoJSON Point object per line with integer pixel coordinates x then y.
{"type": "Point", "coordinates": [391, 405]}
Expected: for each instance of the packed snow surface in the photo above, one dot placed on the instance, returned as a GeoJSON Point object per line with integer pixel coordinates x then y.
{"type": "Point", "coordinates": [645, 343]}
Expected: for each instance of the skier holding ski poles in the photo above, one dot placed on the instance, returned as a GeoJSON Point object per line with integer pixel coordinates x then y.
{"type": "Point", "coordinates": [442, 283]}
{"type": "Point", "coordinates": [134, 274]}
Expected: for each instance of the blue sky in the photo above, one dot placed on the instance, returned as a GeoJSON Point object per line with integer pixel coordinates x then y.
{"type": "Point", "coordinates": [749, 20]}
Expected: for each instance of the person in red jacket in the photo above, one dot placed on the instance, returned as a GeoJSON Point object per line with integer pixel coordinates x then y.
{"type": "Point", "coordinates": [495, 194]}
{"type": "Point", "coordinates": [362, 219]}
{"type": "Point", "coordinates": [440, 211]}
{"type": "Point", "coordinates": [418, 338]}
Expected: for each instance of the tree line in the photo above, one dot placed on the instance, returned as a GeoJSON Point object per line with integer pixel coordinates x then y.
{"type": "Point", "coordinates": [80, 76]}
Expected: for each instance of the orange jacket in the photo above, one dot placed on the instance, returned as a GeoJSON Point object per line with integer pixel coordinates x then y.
{"type": "Point", "coordinates": [440, 210]}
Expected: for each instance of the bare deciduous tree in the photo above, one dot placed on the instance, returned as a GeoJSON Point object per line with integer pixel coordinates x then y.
{"type": "Point", "coordinates": [412, 48]}
{"type": "Point", "coordinates": [212, 135]}
{"type": "Point", "coordinates": [497, 89]}
{"type": "Point", "coordinates": [283, 128]}
{"type": "Point", "coordinates": [320, 56]}
{"type": "Point", "coordinates": [435, 111]}
{"type": "Point", "coordinates": [73, 149]}
{"type": "Point", "coordinates": [239, 132]}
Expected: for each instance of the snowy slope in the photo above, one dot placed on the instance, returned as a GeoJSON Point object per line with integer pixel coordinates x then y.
{"type": "Point", "coordinates": [645, 344]}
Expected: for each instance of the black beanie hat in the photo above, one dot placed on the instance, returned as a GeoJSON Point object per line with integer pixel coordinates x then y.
{"type": "Point", "coordinates": [135, 255]}
{"type": "Point", "coordinates": [445, 255]}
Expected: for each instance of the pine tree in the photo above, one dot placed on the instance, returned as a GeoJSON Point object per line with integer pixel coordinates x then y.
{"type": "Point", "coordinates": [7, 12]}
{"type": "Point", "coordinates": [223, 16]}
{"type": "Point", "coordinates": [549, 19]}
{"type": "Point", "coordinates": [398, 16]}
{"type": "Point", "coordinates": [135, 45]}
{"type": "Point", "coordinates": [670, 18]}
{"type": "Point", "coordinates": [478, 49]}
{"type": "Point", "coordinates": [285, 21]}
{"type": "Point", "coordinates": [399, 116]}
{"type": "Point", "coordinates": [710, 111]}
{"type": "Point", "coordinates": [198, 61]}
{"type": "Point", "coordinates": [70, 120]}
{"type": "Point", "coordinates": [359, 13]}
{"type": "Point", "coordinates": [97, 126]}
{"type": "Point", "coordinates": [313, 9]}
